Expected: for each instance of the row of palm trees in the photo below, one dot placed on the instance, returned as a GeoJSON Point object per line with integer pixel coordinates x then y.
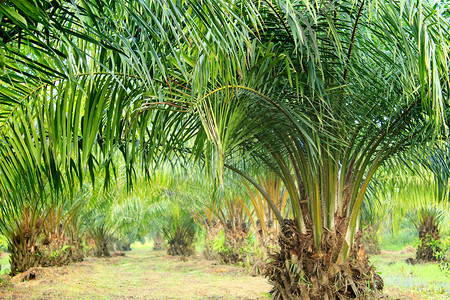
{"type": "Point", "coordinates": [94, 221]}
{"type": "Point", "coordinates": [320, 93]}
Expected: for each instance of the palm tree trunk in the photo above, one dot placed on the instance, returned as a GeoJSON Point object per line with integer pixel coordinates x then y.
{"type": "Point", "coordinates": [429, 238]}
{"type": "Point", "coordinates": [301, 271]}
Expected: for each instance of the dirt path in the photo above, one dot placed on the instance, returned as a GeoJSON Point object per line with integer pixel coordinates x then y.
{"type": "Point", "coordinates": [142, 274]}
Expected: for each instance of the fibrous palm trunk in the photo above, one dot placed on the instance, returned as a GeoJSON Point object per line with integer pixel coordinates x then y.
{"type": "Point", "coordinates": [300, 271]}
{"type": "Point", "coordinates": [180, 244]}
{"type": "Point", "coordinates": [429, 237]}
{"type": "Point", "coordinates": [42, 243]}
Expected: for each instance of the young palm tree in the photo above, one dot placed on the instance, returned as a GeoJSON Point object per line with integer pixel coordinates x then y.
{"type": "Point", "coordinates": [226, 216]}
{"type": "Point", "coordinates": [174, 215]}
{"type": "Point", "coordinates": [429, 219]}
{"type": "Point", "coordinates": [410, 190]}
{"type": "Point", "coordinates": [321, 93]}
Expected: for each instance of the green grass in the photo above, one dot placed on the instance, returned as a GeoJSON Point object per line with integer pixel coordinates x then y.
{"type": "Point", "coordinates": [148, 244]}
{"type": "Point", "coordinates": [398, 241]}
{"type": "Point", "coordinates": [393, 246]}
{"type": "Point", "coordinates": [4, 262]}
{"type": "Point", "coordinates": [426, 280]}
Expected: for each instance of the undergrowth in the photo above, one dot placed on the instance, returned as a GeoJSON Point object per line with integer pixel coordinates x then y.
{"type": "Point", "coordinates": [426, 280]}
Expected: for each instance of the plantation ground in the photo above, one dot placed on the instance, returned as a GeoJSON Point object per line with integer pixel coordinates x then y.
{"type": "Point", "coordinates": [406, 281]}
{"type": "Point", "coordinates": [142, 274]}
{"type": "Point", "coordinates": [148, 274]}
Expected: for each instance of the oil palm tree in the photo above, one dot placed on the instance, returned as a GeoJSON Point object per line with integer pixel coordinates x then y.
{"type": "Point", "coordinates": [430, 219]}
{"type": "Point", "coordinates": [327, 133]}
{"type": "Point", "coordinates": [321, 93]}
{"type": "Point", "coordinates": [408, 189]}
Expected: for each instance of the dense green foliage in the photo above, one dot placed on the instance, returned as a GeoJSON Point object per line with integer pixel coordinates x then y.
{"type": "Point", "coordinates": [320, 93]}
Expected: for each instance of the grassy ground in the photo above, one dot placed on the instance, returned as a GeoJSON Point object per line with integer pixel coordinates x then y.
{"type": "Point", "coordinates": [4, 263]}
{"type": "Point", "coordinates": [406, 281]}
{"type": "Point", "coordinates": [147, 274]}
{"type": "Point", "coordinates": [142, 274]}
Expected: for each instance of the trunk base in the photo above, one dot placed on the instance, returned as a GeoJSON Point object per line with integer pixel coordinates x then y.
{"type": "Point", "coordinates": [177, 248]}
{"type": "Point", "coordinates": [429, 242]}
{"type": "Point", "coordinates": [53, 254]}
{"type": "Point", "coordinates": [299, 271]}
